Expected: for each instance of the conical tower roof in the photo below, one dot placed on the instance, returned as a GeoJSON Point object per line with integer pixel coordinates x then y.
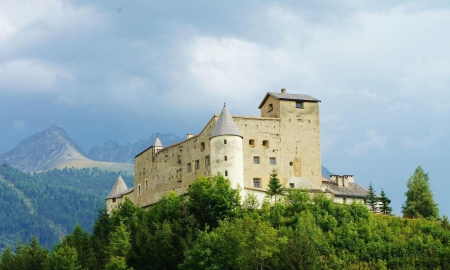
{"type": "Point", "coordinates": [118, 188]}
{"type": "Point", "coordinates": [225, 125]}
{"type": "Point", "coordinates": [158, 142]}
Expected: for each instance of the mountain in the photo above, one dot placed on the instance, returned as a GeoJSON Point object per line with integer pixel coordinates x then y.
{"type": "Point", "coordinates": [53, 148]}
{"type": "Point", "coordinates": [113, 151]}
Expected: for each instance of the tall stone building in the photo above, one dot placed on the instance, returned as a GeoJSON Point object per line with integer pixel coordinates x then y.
{"type": "Point", "coordinates": [286, 137]}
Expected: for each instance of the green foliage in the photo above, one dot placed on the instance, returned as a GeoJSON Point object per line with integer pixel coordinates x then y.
{"type": "Point", "coordinates": [212, 199]}
{"type": "Point", "coordinates": [300, 232]}
{"type": "Point", "coordinates": [274, 187]}
{"type": "Point", "coordinates": [419, 198]}
{"type": "Point", "coordinates": [385, 209]}
{"type": "Point", "coordinates": [49, 204]}
{"type": "Point", "coordinates": [372, 199]}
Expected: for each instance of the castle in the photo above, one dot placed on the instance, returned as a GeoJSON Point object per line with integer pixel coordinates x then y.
{"type": "Point", "coordinates": [286, 137]}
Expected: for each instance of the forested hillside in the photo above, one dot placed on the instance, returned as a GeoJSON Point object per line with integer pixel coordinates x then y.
{"type": "Point", "coordinates": [49, 204]}
{"type": "Point", "coordinates": [210, 229]}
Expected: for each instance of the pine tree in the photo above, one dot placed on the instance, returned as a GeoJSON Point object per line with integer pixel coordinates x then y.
{"type": "Point", "coordinates": [384, 208]}
{"type": "Point", "coordinates": [372, 199]}
{"type": "Point", "coordinates": [419, 198]}
{"type": "Point", "coordinates": [275, 187]}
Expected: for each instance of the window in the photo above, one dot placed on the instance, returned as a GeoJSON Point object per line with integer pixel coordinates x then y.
{"type": "Point", "coordinates": [299, 105]}
{"type": "Point", "coordinates": [226, 173]}
{"type": "Point", "coordinates": [344, 200]}
{"type": "Point", "coordinates": [266, 143]}
{"type": "Point", "coordinates": [291, 163]}
{"type": "Point", "coordinates": [225, 158]}
{"type": "Point", "coordinates": [114, 200]}
{"type": "Point", "coordinates": [257, 182]}
{"type": "Point", "coordinates": [291, 185]}
{"type": "Point", "coordinates": [207, 160]}
{"type": "Point", "coordinates": [224, 141]}
{"type": "Point", "coordinates": [202, 146]}
{"type": "Point", "coordinates": [189, 167]}
{"type": "Point", "coordinates": [251, 142]}
{"type": "Point", "coordinates": [197, 164]}
{"type": "Point", "coordinates": [256, 160]}
{"type": "Point", "coordinates": [146, 185]}
{"type": "Point", "coordinates": [273, 161]}
{"type": "Point", "coordinates": [139, 189]}
{"type": "Point", "coordinates": [270, 107]}
{"type": "Point", "coordinates": [179, 175]}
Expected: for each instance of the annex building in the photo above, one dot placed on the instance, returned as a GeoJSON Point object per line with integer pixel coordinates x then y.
{"type": "Point", "coordinates": [245, 149]}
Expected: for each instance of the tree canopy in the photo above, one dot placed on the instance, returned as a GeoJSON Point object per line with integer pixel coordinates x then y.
{"type": "Point", "coordinates": [419, 198]}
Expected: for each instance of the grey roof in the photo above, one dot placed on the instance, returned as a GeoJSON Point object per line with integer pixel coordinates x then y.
{"type": "Point", "coordinates": [353, 190]}
{"type": "Point", "coordinates": [285, 96]}
{"type": "Point", "coordinates": [118, 189]}
{"type": "Point", "coordinates": [158, 142]}
{"type": "Point", "coordinates": [225, 125]}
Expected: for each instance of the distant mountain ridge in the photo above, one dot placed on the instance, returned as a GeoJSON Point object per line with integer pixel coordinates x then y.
{"type": "Point", "coordinates": [113, 151]}
{"type": "Point", "coordinates": [44, 150]}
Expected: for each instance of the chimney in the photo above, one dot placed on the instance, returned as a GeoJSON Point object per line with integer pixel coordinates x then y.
{"type": "Point", "coordinates": [283, 90]}
{"type": "Point", "coordinates": [189, 135]}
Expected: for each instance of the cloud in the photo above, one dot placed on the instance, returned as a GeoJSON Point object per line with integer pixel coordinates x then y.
{"type": "Point", "coordinates": [374, 142]}
{"type": "Point", "coordinates": [31, 76]}
{"type": "Point", "coordinates": [421, 143]}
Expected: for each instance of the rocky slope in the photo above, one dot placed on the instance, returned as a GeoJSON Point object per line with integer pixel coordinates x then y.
{"type": "Point", "coordinates": [44, 150]}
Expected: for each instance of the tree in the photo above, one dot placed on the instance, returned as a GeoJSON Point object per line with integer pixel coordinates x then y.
{"type": "Point", "coordinates": [385, 209]}
{"type": "Point", "coordinates": [372, 199]}
{"type": "Point", "coordinates": [419, 198]}
{"type": "Point", "coordinates": [275, 187]}
{"type": "Point", "coordinates": [212, 199]}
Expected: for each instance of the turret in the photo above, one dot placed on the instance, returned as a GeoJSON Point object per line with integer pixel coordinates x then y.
{"type": "Point", "coordinates": [227, 156]}
{"type": "Point", "coordinates": [157, 146]}
{"type": "Point", "coordinates": [116, 193]}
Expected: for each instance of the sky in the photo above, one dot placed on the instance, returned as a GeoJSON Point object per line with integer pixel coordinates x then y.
{"type": "Point", "coordinates": [122, 70]}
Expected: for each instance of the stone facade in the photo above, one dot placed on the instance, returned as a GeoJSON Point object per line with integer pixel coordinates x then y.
{"type": "Point", "coordinates": [286, 137]}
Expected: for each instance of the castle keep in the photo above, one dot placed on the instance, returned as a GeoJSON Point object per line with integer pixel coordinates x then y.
{"type": "Point", "coordinates": [286, 137]}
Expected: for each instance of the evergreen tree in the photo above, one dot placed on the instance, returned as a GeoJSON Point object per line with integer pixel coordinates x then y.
{"type": "Point", "coordinates": [372, 199]}
{"type": "Point", "coordinates": [384, 208]}
{"type": "Point", "coordinates": [275, 187]}
{"type": "Point", "coordinates": [419, 198]}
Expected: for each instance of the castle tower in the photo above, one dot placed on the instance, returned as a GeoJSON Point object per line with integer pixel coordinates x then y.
{"type": "Point", "coordinates": [299, 137]}
{"type": "Point", "coordinates": [226, 150]}
{"type": "Point", "coordinates": [158, 145]}
{"type": "Point", "coordinates": [116, 192]}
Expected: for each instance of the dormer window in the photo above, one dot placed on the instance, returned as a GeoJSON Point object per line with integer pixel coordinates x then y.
{"type": "Point", "coordinates": [299, 105]}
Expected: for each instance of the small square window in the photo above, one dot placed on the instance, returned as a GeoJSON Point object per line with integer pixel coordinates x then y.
{"type": "Point", "coordinates": [226, 173]}
{"type": "Point", "coordinates": [224, 141]}
{"type": "Point", "coordinates": [251, 142]}
{"type": "Point", "coordinates": [266, 143]}
{"type": "Point", "coordinates": [202, 146]}
{"type": "Point", "coordinates": [291, 185]}
{"type": "Point", "coordinates": [207, 160]}
{"type": "Point", "coordinates": [189, 167]}
{"type": "Point", "coordinates": [114, 200]}
{"type": "Point", "coordinates": [273, 161]}
{"type": "Point", "coordinates": [256, 160]}
{"type": "Point", "coordinates": [257, 182]}
{"type": "Point", "coordinates": [299, 105]}
{"type": "Point", "coordinates": [225, 158]}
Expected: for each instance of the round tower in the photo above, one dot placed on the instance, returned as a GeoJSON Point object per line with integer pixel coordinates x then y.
{"type": "Point", "coordinates": [227, 155]}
